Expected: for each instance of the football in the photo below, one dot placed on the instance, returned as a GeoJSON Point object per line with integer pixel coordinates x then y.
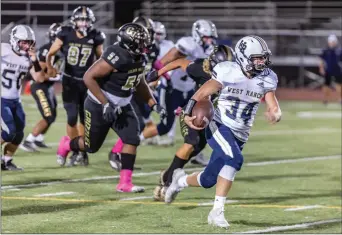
{"type": "Point", "coordinates": [204, 112]}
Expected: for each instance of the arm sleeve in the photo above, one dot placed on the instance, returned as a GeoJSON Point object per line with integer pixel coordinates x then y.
{"type": "Point", "coordinates": [271, 82]}
{"type": "Point", "coordinates": [195, 69]}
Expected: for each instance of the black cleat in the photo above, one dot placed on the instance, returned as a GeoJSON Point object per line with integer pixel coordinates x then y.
{"type": "Point", "coordinates": [28, 146]}
{"type": "Point", "coordinates": [72, 159]}
{"type": "Point", "coordinates": [40, 144]}
{"type": "Point", "coordinates": [115, 160]}
{"type": "Point", "coordinates": [82, 159]}
{"type": "Point", "coordinates": [10, 166]}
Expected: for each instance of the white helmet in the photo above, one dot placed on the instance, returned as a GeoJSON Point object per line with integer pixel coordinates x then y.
{"type": "Point", "coordinates": [203, 28]}
{"type": "Point", "coordinates": [247, 48]}
{"type": "Point", "coordinates": [21, 33]}
{"type": "Point", "coordinates": [159, 31]}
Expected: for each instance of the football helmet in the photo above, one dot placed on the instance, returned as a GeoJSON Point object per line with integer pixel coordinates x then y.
{"type": "Point", "coordinates": [221, 53]}
{"type": "Point", "coordinates": [159, 31]}
{"type": "Point", "coordinates": [53, 29]}
{"type": "Point", "coordinates": [22, 33]}
{"type": "Point", "coordinates": [203, 29]}
{"type": "Point", "coordinates": [134, 37]}
{"type": "Point", "coordinates": [253, 54]}
{"type": "Point", "coordinates": [83, 19]}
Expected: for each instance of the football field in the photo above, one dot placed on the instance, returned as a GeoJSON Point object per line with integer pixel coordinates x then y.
{"type": "Point", "coordinates": [290, 183]}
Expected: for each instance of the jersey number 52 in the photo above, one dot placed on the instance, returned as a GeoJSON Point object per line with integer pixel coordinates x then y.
{"type": "Point", "coordinates": [132, 81]}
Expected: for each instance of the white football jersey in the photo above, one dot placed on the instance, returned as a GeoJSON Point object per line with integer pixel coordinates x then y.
{"type": "Point", "coordinates": [164, 47]}
{"type": "Point", "coordinates": [13, 68]}
{"type": "Point", "coordinates": [187, 46]}
{"type": "Point", "coordinates": [240, 97]}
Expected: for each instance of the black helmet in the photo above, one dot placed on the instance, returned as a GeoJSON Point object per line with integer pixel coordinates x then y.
{"type": "Point", "coordinates": [53, 29]}
{"type": "Point", "coordinates": [85, 14]}
{"type": "Point", "coordinates": [147, 23]}
{"type": "Point", "coordinates": [220, 53]}
{"type": "Point", "coordinates": [134, 37]}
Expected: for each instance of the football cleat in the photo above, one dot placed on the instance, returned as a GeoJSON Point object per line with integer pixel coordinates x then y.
{"type": "Point", "coordinates": [28, 146]}
{"type": "Point", "coordinates": [115, 160]}
{"type": "Point", "coordinates": [174, 188]}
{"type": "Point", "coordinates": [63, 150]}
{"type": "Point", "coordinates": [73, 159]}
{"type": "Point", "coordinates": [129, 188]}
{"type": "Point", "coordinates": [216, 218]}
{"type": "Point", "coordinates": [10, 166]}
{"type": "Point", "coordinates": [82, 159]}
{"type": "Point", "coordinates": [40, 144]}
{"type": "Point", "coordinates": [157, 190]}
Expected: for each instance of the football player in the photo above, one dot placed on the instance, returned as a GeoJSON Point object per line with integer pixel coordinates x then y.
{"type": "Point", "coordinates": [44, 95]}
{"type": "Point", "coordinates": [242, 84]}
{"type": "Point", "coordinates": [80, 43]}
{"type": "Point", "coordinates": [16, 58]}
{"type": "Point", "coordinates": [199, 45]}
{"type": "Point", "coordinates": [142, 109]}
{"type": "Point", "coordinates": [111, 82]}
{"type": "Point", "coordinates": [194, 140]}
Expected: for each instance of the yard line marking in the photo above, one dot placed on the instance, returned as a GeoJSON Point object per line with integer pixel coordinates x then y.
{"type": "Point", "coordinates": [316, 114]}
{"type": "Point", "coordinates": [303, 208]}
{"type": "Point", "coordinates": [53, 194]}
{"type": "Point", "coordinates": [158, 172]}
{"type": "Point", "coordinates": [295, 226]}
{"type": "Point", "coordinates": [115, 201]}
{"type": "Point", "coordinates": [135, 198]}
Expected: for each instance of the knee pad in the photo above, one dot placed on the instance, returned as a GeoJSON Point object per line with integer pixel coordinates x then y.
{"type": "Point", "coordinates": [71, 110]}
{"type": "Point", "coordinates": [131, 139]}
{"type": "Point", "coordinates": [207, 182]}
{"type": "Point", "coordinates": [7, 137]}
{"type": "Point", "coordinates": [19, 136]}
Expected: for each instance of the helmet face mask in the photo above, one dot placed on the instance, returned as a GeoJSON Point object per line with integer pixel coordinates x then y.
{"type": "Point", "coordinates": [148, 24]}
{"type": "Point", "coordinates": [22, 38]}
{"type": "Point", "coordinates": [252, 54]}
{"type": "Point", "coordinates": [159, 32]}
{"type": "Point", "coordinates": [83, 19]}
{"type": "Point", "coordinates": [53, 30]}
{"type": "Point", "coordinates": [221, 53]}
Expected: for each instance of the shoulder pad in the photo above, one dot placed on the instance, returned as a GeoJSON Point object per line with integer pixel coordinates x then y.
{"type": "Point", "coordinates": [5, 49]}
{"type": "Point", "coordinates": [221, 71]}
{"type": "Point", "coordinates": [186, 45]}
{"type": "Point", "coordinates": [270, 78]}
{"type": "Point", "coordinates": [115, 56]}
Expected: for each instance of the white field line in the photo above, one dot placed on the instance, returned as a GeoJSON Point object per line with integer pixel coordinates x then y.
{"type": "Point", "coordinates": [53, 194]}
{"type": "Point", "coordinates": [301, 208]}
{"type": "Point", "coordinates": [316, 114]}
{"type": "Point", "coordinates": [158, 172]}
{"type": "Point", "coordinates": [291, 227]}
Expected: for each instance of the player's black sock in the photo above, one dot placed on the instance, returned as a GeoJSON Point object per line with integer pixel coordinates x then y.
{"type": "Point", "coordinates": [127, 161]}
{"type": "Point", "coordinates": [176, 163]}
{"type": "Point", "coordinates": [74, 146]}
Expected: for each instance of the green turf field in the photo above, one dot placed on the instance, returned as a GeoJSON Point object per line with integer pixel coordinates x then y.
{"type": "Point", "coordinates": [302, 192]}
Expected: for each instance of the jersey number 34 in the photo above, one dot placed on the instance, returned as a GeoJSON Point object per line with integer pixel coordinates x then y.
{"type": "Point", "coordinates": [246, 113]}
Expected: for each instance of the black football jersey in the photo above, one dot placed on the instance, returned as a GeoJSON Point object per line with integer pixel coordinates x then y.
{"type": "Point", "coordinates": [151, 57]}
{"type": "Point", "coordinates": [79, 53]}
{"type": "Point", "coordinates": [199, 71]}
{"type": "Point", "coordinates": [130, 71]}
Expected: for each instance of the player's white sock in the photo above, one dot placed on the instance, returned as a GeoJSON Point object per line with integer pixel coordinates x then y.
{"type": "Point", "coordinates": [30, 138]}
{"type": "Point", "coordinates": [141, 136]}
{"type": "Point", "coordinates": [6, 158]}
{"type": "Point", "coordinates": [219, 202]}
{"type": "Point", "coordinates": [182, 181]}
{"type": "Point", "coordinates": [40, 138]}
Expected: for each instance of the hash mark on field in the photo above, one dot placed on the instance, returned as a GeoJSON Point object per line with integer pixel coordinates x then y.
{"type": "Point", "coordinates": [158, 172]}
{"type": "Point", "coordinates": [291, 227]}
{"type": "Point", "coordinates": [53, 194]}
{"type": "Point", "coordinates": [303, 208]}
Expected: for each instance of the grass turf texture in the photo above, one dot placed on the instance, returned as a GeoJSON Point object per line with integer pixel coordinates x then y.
{"type": "Point", "coordinates": [262, 193]}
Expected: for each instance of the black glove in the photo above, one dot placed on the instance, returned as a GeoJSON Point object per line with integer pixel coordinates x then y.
{"type": "Point", "coordinates": [152, 76]}
{"type": "Point", "coordinates": [161, 111]}
{"type": "Point", "coordinates": [108, 112]}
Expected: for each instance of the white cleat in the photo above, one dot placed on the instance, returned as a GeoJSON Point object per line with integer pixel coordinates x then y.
{"type": "Point", "coordinates": [216, 218]}
{"type": "Point", "coordinates": [174, 187]}
{"type": "Point", "coordinates": [165, 141]}
{"type": "Point", "coordinates": [61, 160]}
{"type": "Point", "coordinates": [199, 159]}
